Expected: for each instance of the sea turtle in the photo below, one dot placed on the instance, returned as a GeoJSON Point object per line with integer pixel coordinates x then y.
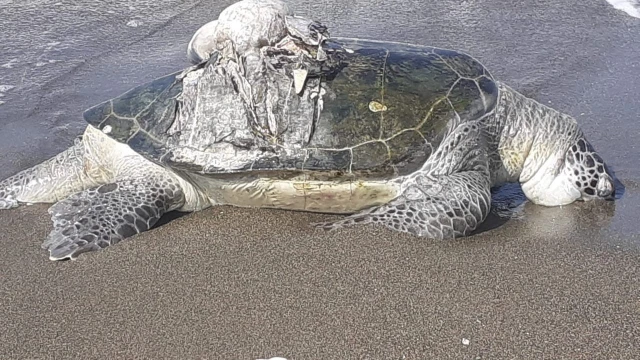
{"type": "Point", "coordinates": [278, 114]}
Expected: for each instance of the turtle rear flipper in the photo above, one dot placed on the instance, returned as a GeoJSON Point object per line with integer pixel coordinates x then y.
{"type": "Point", "coordinates": [96, 218]}
{"type": "Point", "coordinates": [449, 197]}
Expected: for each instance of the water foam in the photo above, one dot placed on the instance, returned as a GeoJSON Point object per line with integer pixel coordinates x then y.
{"type": "Point", "coordinates": [631, 7]}
{"type": "Point", "coordinates": [3, 89]}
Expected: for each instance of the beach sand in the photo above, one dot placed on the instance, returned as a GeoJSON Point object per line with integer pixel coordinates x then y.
{"type": "Point", "coordinates": [230, 283]}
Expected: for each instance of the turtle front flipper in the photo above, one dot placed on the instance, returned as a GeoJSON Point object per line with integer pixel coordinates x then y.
{"type": "Point", "coordinates": [449, 197]}
{"type": "Point", "coordinates": [49, 181]}
{"type": "Point", "coordinates": [96, 218]}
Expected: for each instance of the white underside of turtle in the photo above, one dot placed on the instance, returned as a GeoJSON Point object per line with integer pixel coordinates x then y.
{"type": "Point", "coordinates": [276, 114]}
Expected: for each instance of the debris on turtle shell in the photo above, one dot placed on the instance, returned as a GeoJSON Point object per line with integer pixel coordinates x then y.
{"type": "Point", "coordinates": [375, 106]}
{"type": "Point", "coordinates": [299, 78]}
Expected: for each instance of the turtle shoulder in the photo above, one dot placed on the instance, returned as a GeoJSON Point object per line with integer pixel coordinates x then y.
{"type": "Point", "coordinates": [388, 105]}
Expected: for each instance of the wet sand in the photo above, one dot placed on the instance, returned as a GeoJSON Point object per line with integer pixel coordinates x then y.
{"type": "Point", "coordinates": [230, 283]}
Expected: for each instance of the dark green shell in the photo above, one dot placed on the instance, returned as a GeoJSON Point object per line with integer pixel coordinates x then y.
{"type": "Point", "coordinates": [419, 90]}
{"type": "Point", "coordinates": [130, 116]}
{"type": "Point", "coordinates": [385, 109]}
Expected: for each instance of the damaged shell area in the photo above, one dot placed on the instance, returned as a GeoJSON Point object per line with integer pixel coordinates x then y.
{"type": "Point", "coordinates": [251, 24]}
{"type": "Point", "coordinates": [254, 24]}
{"type": "Point", "coordinates": [309, 31]}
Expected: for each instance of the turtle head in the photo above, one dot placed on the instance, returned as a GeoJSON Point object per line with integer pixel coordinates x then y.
{"type": "Point", "coordinates": [575, 172]}
{"type": "Point", "coordinates": [587, 172]}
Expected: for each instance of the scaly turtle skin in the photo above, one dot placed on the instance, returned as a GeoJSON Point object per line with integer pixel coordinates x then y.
{"type": "Point", "coordinates": [275, 113]}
